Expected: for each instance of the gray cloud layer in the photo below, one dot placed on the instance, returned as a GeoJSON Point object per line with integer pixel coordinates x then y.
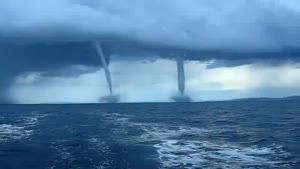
{"type": "Point", "coordinates": [241, 25]}
{"type": "Point", "coordinates": [53, 59]}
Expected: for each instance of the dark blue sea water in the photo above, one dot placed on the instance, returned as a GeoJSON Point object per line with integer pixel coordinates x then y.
{"type": "Point", "coordinates": [213, 135]}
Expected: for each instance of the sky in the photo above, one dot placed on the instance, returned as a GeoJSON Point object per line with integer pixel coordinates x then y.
{"type": "Point", "coordinates": [231, 49]}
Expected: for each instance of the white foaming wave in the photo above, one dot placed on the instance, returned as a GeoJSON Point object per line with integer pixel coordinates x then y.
{"type": "Point", "coordinates": [63, 154]}
{"type": "Point", "coordinates": [99, 145]}
{"type": "Point", "coordinates": [21, 129]}
{"type": "Point", "coordinates": [102, 148]}
{"type": "Point", "coordinates": [155, 132]}
{"type": "Point", "coordinates": [34, 118]}
{"type": "Point", "coordinates": [196, 154]}
{"type": "Point", "coordinates": [117, 117]}
{"type": "Point", "coordinates": [67, 153]}
{"type": "Point", "coordinates": [171, 154]}
{"type": "Point", "coordinates": [31, 121]}
{"type": "Point", "coordinates": [177, 150]}
{"type": "Point", "coordinates": [152, 130]}
{"type": "Point", "coordinates": [11, 132]}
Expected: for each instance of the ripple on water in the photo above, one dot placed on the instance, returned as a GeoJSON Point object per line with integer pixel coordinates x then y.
{"type": "Point", "coordinates": [92, 153]}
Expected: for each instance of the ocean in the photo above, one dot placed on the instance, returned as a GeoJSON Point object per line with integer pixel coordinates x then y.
{"type": "Point", "coordinates": [212, 135]}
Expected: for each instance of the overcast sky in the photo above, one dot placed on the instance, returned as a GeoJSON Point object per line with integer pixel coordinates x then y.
{"type": "Point", "coordinates": [232, 49]}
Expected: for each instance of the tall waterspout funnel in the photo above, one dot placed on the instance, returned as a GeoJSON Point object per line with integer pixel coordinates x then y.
{"type": "Point", "coordinates": [182, 97]}
{"type": "Point", "coordinates": [180, 75]}
{"type": "Point", "coordinates": [111, 98]}
{"type": "Point", "coordinates": [105, 66]}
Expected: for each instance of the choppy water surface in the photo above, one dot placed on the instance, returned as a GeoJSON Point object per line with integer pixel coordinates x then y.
{"type": "Point", "coordinates": [215, 135]}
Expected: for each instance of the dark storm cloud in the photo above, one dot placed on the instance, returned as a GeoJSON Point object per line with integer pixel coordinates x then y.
{"type": "Point", "coordinates": [20, 57]}
{"type": "Point", "coordinates": [236, 25]}
{"type": "Point", "coordinates": [52, 59]}
{"type": "Point", "coordinates": [198, 29]}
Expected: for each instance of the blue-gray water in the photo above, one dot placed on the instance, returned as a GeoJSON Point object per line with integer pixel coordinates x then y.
{"type": "Point", "coordinates": [214, 135]}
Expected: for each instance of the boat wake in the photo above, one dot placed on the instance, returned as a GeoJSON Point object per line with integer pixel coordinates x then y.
{"type": "Point", "coordinates": [189, 147]}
